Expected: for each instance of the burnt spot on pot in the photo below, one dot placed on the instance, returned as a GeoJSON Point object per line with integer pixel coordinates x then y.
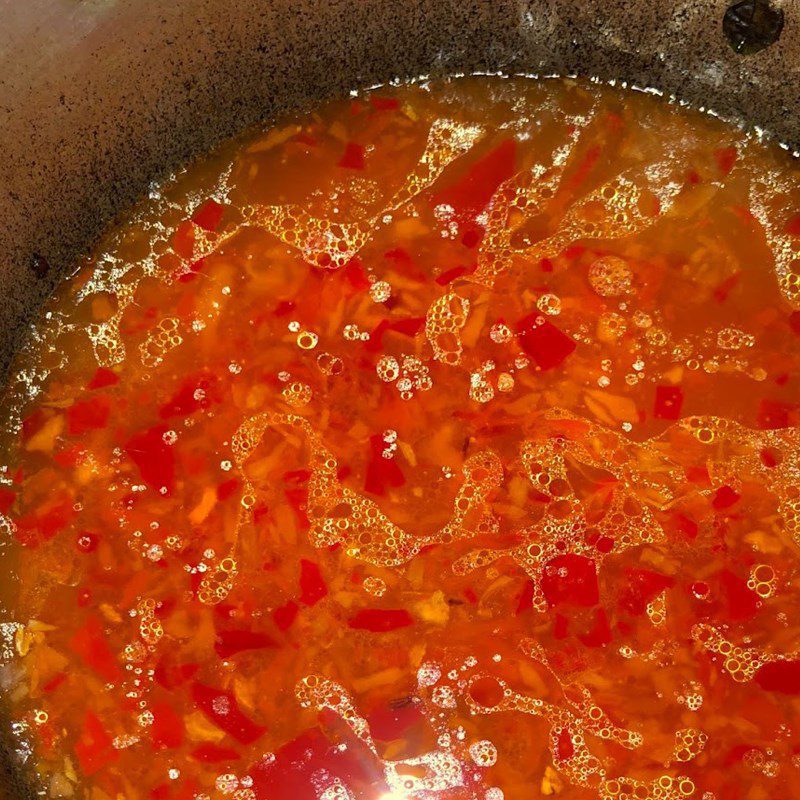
{"type": "Point", "coordinates": [752, 25]}
{"type": "Point", "coordinates": [40, 266]}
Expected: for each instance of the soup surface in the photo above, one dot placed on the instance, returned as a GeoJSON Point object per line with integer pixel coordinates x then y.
{"type": "Point", "coordinates": [440, 445]}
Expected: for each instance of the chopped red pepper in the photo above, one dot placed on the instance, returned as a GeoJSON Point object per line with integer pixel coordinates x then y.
{"type": "Point", "coordinates": [384, 103]}
{"type": "Point", "coordinates": [780, 676]}
{"type": "Point", "coordinates": [387, 722]}
{"type": "Point", "coordinates": [312, 584]}
{"type": "Point", "coordinates": [726, 157]}
{"type": "Point", "coordinates": [471, 193]}
{"type": "Point", "coordinates": [450, 275]}
{"type": "Point", "coordinates": [356, 275]}
{"type": "Point", "coordinates": [34, 529]}
{"type": "Point", "coordinates": [742, 603]}
{"type": "Point", "coordinates": [103, 377]}
{"type": "Point", "coordinates": [7, 499]}
{"type": "Point", "coordinates": [167, 729]}
{"type": "Point", "coordinates": [94, 748]}
{"type": "Point", "coordinates": [725, 497]}
{"type": "Point", "coordinates": [290, 776]}
{"type": "Point", "coordinates": [197, 392]}
{"type": "Point", "coordinates": [570, 579]}
{"type": "Point", "coordinates": [221, 708]}
{"type": "Point", "coordinates": [154, 458]}
{"type": "Point", "coordinates": [643, 586]}
{"type": "Point", "coordinates": [564, 746]}
{"type": "Point", "coordinates": [668, 403]}
{"type": "Point", "coordinates": [353, 157]}
{"type": "Point", "coordinates": [88, 415]}
{"type": "Point", "coordinates": [90, 644]}
{"type": "Point", "coordinates": [170, 676]}
{"type": "Point", "coordinates": [380, 620]}
{"type": "Point", "coordinates": [382, 473]}
{"type": "Point", "coordinates": [544, 342]}
{"type": "Point", "coordinates": [284, 615]}
{"type": "Point", "coordinates": [209, 215]}
{"type": "Point", "coordinates": [525, 602]}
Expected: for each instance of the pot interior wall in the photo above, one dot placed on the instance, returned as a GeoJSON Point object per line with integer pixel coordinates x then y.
{"type": "Point", "coordinates": [99, 98]}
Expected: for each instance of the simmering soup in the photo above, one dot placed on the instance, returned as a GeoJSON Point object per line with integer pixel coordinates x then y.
{"type": "Point", "coordinates": [438, 445]}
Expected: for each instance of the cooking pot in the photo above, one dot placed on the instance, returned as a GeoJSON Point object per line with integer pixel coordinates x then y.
{"type": "Point", "coordinates": [98, 98]}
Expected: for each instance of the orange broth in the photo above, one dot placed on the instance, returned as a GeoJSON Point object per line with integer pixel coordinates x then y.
{"type": "Point", "coordinates": [439, 445]}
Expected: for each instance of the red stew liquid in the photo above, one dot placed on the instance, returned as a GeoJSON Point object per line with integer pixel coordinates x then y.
{"type": "Point", "coordinates": [440, 445]}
